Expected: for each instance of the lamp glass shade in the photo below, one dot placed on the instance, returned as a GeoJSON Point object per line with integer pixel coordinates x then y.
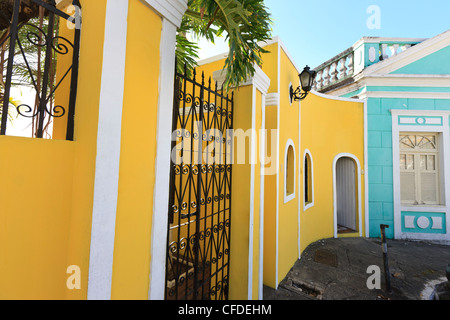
{"type": "Point", "coordinates": [306, 79]}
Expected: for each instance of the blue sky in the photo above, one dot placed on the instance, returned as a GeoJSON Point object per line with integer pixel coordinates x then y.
{"type": "Point", "coordinates": [315, 31]}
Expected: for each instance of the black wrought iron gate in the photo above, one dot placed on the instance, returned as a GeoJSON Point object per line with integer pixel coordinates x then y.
{"type": "Point", "coordinates": [198, 247]}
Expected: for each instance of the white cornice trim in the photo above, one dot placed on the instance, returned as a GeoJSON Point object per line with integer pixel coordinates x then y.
{"type": "Point", "coordinates": [407, 80]}
{"type": "Point", "coordinates": [394, 80]}
{"type": "Point", "coordinates": [272, 99]}
{"type": "Point", "coordinates": [336, 98]}
{"type": "Point", "coordinates": [172, 10]}
{"type": "Point", "coordinates": [404, 95]}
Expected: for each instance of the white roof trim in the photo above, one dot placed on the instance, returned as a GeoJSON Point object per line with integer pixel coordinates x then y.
{"type": "Point", "coordinates": [172, 10]}
{"type": "Point", "coordinates": [411, 55]}
{"type": "Point", "coordinates": [335, 98]}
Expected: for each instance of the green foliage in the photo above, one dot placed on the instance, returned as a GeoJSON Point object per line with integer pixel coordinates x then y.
{"type": "Point", "coordinates": [245, 23]}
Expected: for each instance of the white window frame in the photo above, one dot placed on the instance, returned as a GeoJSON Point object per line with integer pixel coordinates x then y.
{"type": "Point", "coordinates": [307, 205]}
{"type": "Point", "coordinates": [443, 129]}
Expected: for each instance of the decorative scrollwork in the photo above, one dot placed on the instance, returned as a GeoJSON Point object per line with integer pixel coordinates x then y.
{"type": "Point", "coordinates": [57, 111]}
{"type": "Point", "coordinates": [38, 39]}
{"type": "Point", "coordinates": [28, 110]}
{"type": "Point", "coordinates": [59, 47]}
{"type": "Point", "coordinates": [184, 97]}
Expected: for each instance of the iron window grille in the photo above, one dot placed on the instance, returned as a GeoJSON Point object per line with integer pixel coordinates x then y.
{"type": "Point", "coordinates": [31, 52]}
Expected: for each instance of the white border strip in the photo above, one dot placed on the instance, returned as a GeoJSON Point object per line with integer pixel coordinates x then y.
{"type": "Point", "coordinates": [163, 162]}
{"type": "Point", "coordinates": [366, 172]}
{"type": "Point", "coordinates": [252, 197]}
{"type": "Point", "coordinates": [261, 197]}
{"type": "Point", "coordinates": [108, 151]}
{"type": "Point", "coordinates": [278, 165]}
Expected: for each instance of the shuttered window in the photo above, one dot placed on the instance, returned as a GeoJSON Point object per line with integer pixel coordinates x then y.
{"type": "Point", "coordinates": [419, 169]}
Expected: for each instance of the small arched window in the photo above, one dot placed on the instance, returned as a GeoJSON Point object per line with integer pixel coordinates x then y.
{"type": "Point", "coordinates": [308, 181]}
{"type": "Point", "coordinates": [289, 178]}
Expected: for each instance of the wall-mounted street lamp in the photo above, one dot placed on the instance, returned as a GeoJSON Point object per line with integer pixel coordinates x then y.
{"type": "Point", "coordinates": [306, 82]}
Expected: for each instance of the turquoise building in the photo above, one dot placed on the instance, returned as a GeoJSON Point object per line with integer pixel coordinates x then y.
{"type": "Point", "coordinates": [406, 83]}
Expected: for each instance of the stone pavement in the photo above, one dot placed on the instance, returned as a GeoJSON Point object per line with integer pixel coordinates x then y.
{"type": "Point", "coordinates": [336, 269]}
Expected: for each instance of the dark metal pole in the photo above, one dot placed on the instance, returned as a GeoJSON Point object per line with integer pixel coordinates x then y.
{"type": "Point", "coordinates": [9, 70]}
{"type": "Point", "coordinates": [387, 273]}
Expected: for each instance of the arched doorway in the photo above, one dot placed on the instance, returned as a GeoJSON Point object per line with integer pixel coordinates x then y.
{"type": "Point", "coordinates": [346, 187]}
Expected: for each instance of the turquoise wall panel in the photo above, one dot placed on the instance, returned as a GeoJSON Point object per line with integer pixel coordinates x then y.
{"type": "Point", "coordinates": [380, 156]}
{"type": "Point", "coordinates": [373, 106]}
{"type": "Point", "coordinates": [387, 104]}
{"type": "Point", "coordinates": [374, 139]}
{"type": "Point", "coordinates": [376, 210]}
{"type": "Point", "coordinates": [376, 174]}
{"type": "Point", "coordinates": [379, 123]}
{"type": "Point", "coordinates": [441, 104]}
{"type": "Point", "coordinates": [381, 192]}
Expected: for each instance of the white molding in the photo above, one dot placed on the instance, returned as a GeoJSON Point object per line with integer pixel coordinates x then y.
{"type": "Point", "coordinates": [444, 130]}
{"type": "Point", "coordinates": [278, 165]}
{"type": "Point", "coordinates": [252, 197]}
{"type": "Point", "coordinates": [163, 162]}
{"type": "Point", "coordinates": [366, 171]}
{"type": "Point", "coordinates": [299, 188]}
{"type": "Point", "coordinates": [359, 208]}
{"type": "Point", "coordinates": [406, 80]}
{"type": "Point", "coordinates": [308, 205]}
{"type": "Point", "coordinates": [291, 196]}
{"type": "Point", "coordinates": [362, 81]}
{"type": "Point", "coordinates": [108, 152]}
{"type": "Point", "coordinates": [333, 97]}
{"type": "Point", "coordinates": [272, 99]}
{"type": "Point", "coordinates": [262, 154]}
{"type": "Point", "coordinates": [172, 10]}
{"type": "Point", "coordinates": [405, 95]}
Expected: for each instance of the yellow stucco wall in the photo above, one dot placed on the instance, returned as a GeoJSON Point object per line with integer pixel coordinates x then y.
{"type": "Point", "coordinates": [138, 154]}
{"type": "Point", "coordinates": [43, 228]}
{"type": "Point", "coordinates": [288, 131]}
{"type": "Point", "coordinates": [320, 131]}
{"type": "Point", "coordinates": [329, 128]}
{"type": "Point", "coordinates": [257, 196]}
{"type": "Point", "coordinates": [270, 203]}
{"type": "Point", "coordinates": [86, 127]}
{"type": "Point", "coordinates": [240, 205]}
{"type": "Point", "coordinates": [35, 198]}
